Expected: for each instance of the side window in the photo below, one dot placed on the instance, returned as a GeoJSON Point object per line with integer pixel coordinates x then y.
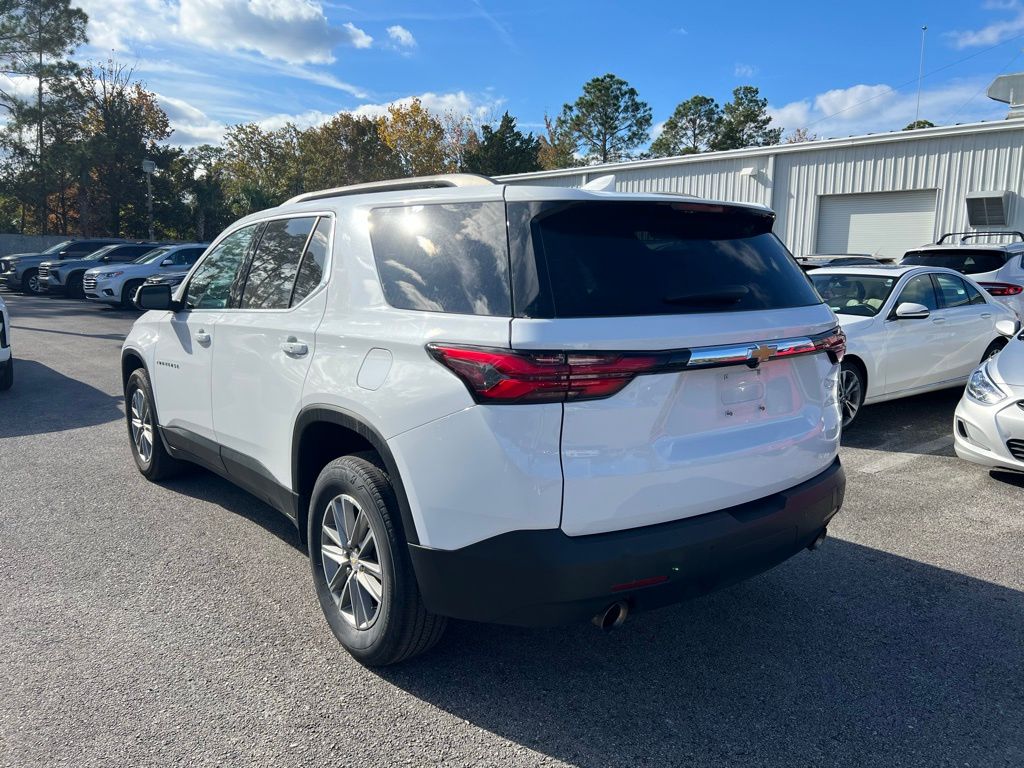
{"type": "Point", "coordinates": [953, 291]}
{"type": "Point", "coordinates": [275, 263]}
{"type": "Point", "coordinates": [210, 286]}
{"type": "Point", "coordinates": [314, 261]}
{"type": "Point", "coordinates": [129, 254]}
{"type": "Point", "coordinates": [974, 294]}
{"type": "Point", "coordinates": [919, 290]}
{"type": "Point", "coordinates": [186, 257]}
{"type": "Point", "coordinates": [443, 258]}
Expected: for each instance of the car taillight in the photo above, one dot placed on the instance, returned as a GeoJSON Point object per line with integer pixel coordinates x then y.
{"type": "Point", "coordinates": [1002, 289]}
{"type": "Point", "coordinates": [834, 344]}
{"type": "Point", "coordinates": [504, 376]}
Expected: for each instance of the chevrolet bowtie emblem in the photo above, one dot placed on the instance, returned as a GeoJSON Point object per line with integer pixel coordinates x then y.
{"type": "Point", "coordinates": [759, 354]}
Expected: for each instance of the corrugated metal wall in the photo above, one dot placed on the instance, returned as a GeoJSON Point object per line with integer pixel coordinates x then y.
{"type": "Point", "coordinates": [986, 159]}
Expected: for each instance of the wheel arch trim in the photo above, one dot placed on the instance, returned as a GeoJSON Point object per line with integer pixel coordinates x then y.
{"type": "Point", "coordinates": [331, 414]}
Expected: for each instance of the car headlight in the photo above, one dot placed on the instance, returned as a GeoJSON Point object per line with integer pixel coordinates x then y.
{"type": "Point", "coordinates": [108, 275]}
{"type": "Point", "coordinates": [980, 387]}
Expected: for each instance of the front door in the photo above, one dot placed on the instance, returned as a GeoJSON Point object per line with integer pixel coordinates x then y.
{"type": "Point", "coordinates": [915, 354]}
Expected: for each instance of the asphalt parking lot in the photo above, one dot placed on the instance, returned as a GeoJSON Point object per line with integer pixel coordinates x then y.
{"type": "Point", "coordinates": [175, 625]}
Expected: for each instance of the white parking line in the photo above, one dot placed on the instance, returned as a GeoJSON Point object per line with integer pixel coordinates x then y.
{"type": "Point", "coordinates": [899, 458]}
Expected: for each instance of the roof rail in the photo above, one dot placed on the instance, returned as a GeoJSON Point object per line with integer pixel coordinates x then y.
{"type": "Point", "coordinates": [396, 185]}
{"type": "Point", "coordinates": [965, 236]}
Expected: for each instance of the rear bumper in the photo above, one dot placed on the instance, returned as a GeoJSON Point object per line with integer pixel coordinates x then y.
{"type": "Point", "coordinates": [544, 577]}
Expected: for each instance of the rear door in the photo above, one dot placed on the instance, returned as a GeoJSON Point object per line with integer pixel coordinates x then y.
{"type": "Point", "coordinates": [265, 345]}
{"type": "Point", "coordinates": [968, 324]}
{"type": "Point", "coordinates": [713, 286]}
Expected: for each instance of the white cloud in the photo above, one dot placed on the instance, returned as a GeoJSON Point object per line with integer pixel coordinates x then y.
{"type": "Point", "coordinates": [294, 31]}
{"type": "Point", "coordinates": [744, 70]}
{"type": "Point", "coordinates": [875, 108]}
{"type": "Point", "coordinates": [191, 125]}
{"type": "Point", "coordinates": [402, 36]}
{"type": "Point", "coordinates": [307, 119]}
{"type": "Point", "coordinates": [994, 33]}
{"type": "Point", "coordinates": [459, 102]}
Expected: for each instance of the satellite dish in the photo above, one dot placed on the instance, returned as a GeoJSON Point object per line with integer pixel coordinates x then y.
{"type": "Point", "coordinates": [1009, 89]}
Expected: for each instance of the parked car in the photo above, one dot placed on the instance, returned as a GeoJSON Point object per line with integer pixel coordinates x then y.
{"type": "Point", "coordinates": [817, 261]}
{"type": "Point", "coordinates": [20, 271]}
{"type": "Point", "coordinates": [6, 357]}
{"type": "Point", "coordinates": [525, 405]}
{"type": "Point", "coordinates": [171, 279]}
{"type": "Point", "coordinates": [68, 276]}
{"type": "Point", "coordinates": [988, 428]}
{"type": "Point", "coordinates": [909, 330]}
{"type": "Point", "coordinates": [996, 267]}
{"type": "Point", "coordinates": [117, 284]}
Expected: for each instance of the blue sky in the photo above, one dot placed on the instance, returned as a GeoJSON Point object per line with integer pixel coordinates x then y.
{"type": "Point", "coordinates": [835, 68]}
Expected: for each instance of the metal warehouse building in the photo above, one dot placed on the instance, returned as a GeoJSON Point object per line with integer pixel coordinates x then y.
{"type": "Point", "coordinates": [879, 194]}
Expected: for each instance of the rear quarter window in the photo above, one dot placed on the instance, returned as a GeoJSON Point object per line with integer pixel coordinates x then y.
{"type": "Point", "coordinates": [611, 259]}
{"type": "Point", "coordinates": [443, 258]}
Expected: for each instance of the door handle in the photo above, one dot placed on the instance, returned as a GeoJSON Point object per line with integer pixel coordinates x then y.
{"type": "Point", "coordinates": [293, 347]}
{"type": "Point", "coordinates": [986, 315]}
{"type": "Point", "coordinates": [938, 319]}
{"type": "Point", "coordinates": [202, 336]}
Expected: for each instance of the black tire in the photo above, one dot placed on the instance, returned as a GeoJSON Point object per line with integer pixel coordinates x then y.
{"type": "Point", "coordinates": [7, 375]}
{"type": "Point", "coordinates": [851, 391]}
{"type": "Point", "coordinates": [128, 292]}
{"type": "Point", "coordinates": [159, 464]}
{"type": "Point", "coordinates": [30, 279]}
{"type": "Point", "coordinates": [401, 627]}
{"type": "Point", "coordinates": [993, 348]}
{"type": "Point", "coordinates": [73, 287]}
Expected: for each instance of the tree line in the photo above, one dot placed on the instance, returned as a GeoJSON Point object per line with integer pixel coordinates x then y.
{"type": "Point", "coordinates": [71, 149]}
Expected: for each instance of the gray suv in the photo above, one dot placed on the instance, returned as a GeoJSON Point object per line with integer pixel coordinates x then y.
{"type": "Point", "coordinates": [68, 275]}
{"type": "Point", "coordinates": [20, 271]}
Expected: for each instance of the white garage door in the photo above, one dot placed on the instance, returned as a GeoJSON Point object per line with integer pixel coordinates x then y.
{"type": "Point", "coordinates": [879, 223]}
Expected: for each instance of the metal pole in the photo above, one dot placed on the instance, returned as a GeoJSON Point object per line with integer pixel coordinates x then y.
{"type": "Point", "coordinates": [920, 75]}
{"type": "Point", "coordinates": [149, 203]}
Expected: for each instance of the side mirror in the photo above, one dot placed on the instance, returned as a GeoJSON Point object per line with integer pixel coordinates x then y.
{"type": "Point", "coordinates": [1007, 328]}
{"type": "Point", "coordinates": [908, 310]}
{"type": "Point", "coordinates": [167, 263]}
{"type": "Point", "coordinates": [104, 259]}
{"type": "Point", "coordinates": [155, 297]}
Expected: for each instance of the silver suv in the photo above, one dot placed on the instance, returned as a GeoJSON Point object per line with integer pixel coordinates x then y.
{"type": "Point", "coordinates": [524, 405]}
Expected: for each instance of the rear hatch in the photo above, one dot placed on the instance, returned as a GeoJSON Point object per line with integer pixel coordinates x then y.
{"type": "Point", "coordinates": [700, 362]}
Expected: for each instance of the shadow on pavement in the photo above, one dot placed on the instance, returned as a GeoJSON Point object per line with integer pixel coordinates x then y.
{"type": "Point", "coordinates": [849, 656]}
{"type": "Point", "coordinates": [919, 424]}
{"type": "Point", "coordinates": [199, 483]}
{"type": "Point", "coordinates": [43, 400]}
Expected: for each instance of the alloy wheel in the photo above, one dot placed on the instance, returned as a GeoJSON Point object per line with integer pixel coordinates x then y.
{"type": "Point", "coordinates": [33, 283]}
{"type": "Point", "coordinates": [850, 395]}
{"type": "Point", "coordinates": [142, 425]}
{"type": "Point", "coordinates": [351, 562]}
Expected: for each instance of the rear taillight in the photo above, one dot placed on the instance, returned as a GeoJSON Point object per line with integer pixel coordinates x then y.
{"type": "Point", "coordinates": [503, 376]}
{"type": "Point", "coordinates": [1002, 289]}
{"type": "Point", "coordinates": [506, 376]}
{"type": "Point", "coordinates": [834, 343]}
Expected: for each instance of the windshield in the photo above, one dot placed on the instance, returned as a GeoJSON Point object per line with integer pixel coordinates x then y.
{"type": "Point", "coordinates": [969, 262]}
{"type": "Point", "coordinates": [150, 256]}
{"type": "Point", "coordinates": [58, 247]}
{"type": "Point", "coordinates": [861, 295]}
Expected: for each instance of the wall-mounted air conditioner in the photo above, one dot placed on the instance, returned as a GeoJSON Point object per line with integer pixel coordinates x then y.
{"type": "Point", "coordinates": [988, 209]}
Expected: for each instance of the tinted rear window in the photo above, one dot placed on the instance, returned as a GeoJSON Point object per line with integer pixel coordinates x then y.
{"type": "Point", "coordinates": [966, 261]}
{"type": "Point", "coordinates": [443, 258]}
{"type": "Point", "coordinates": [626, 259]}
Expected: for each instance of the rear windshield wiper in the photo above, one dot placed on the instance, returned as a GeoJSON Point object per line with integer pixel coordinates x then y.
{"type": "Point", "coordinates": [729, 294]}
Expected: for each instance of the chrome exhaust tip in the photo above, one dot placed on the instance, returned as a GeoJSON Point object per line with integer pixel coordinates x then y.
{"type": "Point", "coordinates": [612, 616]}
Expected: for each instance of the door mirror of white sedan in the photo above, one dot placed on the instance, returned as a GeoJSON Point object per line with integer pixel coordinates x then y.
{"type": "Point", "coordinates": [908, 310]}
{"type": "Point", "coordinates": [1007, 328]}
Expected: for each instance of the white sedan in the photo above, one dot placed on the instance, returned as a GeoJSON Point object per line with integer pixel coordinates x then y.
{"type": "Point", "coordinates": [988, 427]}
{"type": "Point", "coordinates": [909, 330]}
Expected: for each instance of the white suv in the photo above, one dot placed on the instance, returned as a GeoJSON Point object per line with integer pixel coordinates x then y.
{"type": "Point", "coordinates": [524, 405]}
{"type": "Point", "coordinates": [117, 283]}
{"type": "Point", "coordinates": [996, 267]}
